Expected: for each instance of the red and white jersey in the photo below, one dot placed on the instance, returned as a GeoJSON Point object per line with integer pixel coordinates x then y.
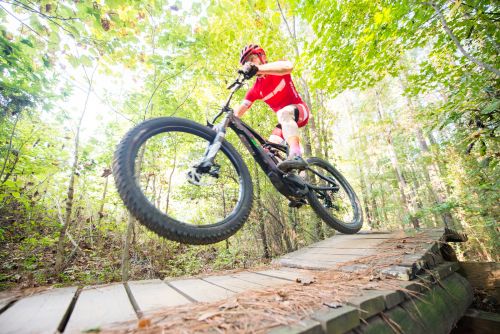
{"type": "Point", "coordinates": [278, 91]}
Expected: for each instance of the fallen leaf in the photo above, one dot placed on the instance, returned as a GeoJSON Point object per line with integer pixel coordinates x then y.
{"type": "Point", "coordinates": [208, 315]}
{"type": "Point", "coordinates": [144, 323]}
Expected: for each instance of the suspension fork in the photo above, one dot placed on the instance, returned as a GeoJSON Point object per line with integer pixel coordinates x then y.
{"type": "Point", "coordinates": [214, 147]}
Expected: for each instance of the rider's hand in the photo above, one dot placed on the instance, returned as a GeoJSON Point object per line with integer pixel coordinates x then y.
{"type": "Point", "coordinates": [249, 70]}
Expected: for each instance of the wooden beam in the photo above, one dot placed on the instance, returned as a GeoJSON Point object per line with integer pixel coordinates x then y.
{"type": "Point", "coordinates": [483, 275]}
{"type": "Point", "coordinates": [480, 322]}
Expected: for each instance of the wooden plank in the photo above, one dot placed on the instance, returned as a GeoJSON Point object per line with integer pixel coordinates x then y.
{"type": "Point", "coordinates": [303, 264]}
{"type": "Point", "coordinates": [337, 258]}
{"type": "Point", "coordinates": [339, 320]}
{"type": "Point", "coordinates": [339, 248]}
{"type": "Point", "coordinates": [354, 242]}
{"type": "Point", "coordinates": [355, 268]}
{"type": "Point", "coordinates": [344, 251]}
{"type": "Point", "coordinates": [265, 281]}
{"type": "Point", "coordinates": [349, 246]}
{"type": "Point", "coordinates": [477, 321]}
{"type": "Point", "coordinates": [97, 306]}
{"type": "Point", "coordinates": [291, 275]}
{"type": "Point", "coordinates": [307, 326]}
{"type": "Point", "coordinates": [368, 304]}
{"type": "Point", "coordinates": [359, 238]}
{"type": "Point", "coordinates": [392, 298]}
{"type": "Point", "coordinates": [436, 311]}
{"type": "Point", "coordinates": [401, 273]}
{"type": "Point", "coordinates": [232, 283]}
{"type": "Point", "coordinates": [200, 290]}
{"type": "Point", "coordinates": [40, 313]}
{"type": "Point", "coordinates": [154, 294]}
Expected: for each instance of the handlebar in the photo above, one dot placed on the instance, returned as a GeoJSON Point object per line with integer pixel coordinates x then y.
{"type": "Point", "coordinates": [239, 81]}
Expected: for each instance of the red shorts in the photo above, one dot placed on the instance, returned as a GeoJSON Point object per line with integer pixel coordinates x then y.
{"type": "Point", "coordinates": [302, 114]}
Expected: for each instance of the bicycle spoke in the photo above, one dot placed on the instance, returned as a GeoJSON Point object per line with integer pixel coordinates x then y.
{"type": "Point", "coordinates": [164, 181]}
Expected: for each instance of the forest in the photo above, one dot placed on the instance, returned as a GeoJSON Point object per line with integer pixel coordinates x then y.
{"type": "Point", "coordinates": [405, 99]}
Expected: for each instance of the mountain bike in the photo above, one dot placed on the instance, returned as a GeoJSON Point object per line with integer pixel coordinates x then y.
{"type": "Point", "coordinates": [187, 183]}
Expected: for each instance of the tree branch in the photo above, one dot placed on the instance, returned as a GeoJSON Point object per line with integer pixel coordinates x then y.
{"type": "Point", "coordinates": [457, 42]}
{"type": "Point", "coordinates": [30, 9]}
{"type": "Point", "coordinates": [9, 149]}
{"type": "Point", "coordinates": [24, 24]}
{"type": "Point", "coordinates": [292, 35]}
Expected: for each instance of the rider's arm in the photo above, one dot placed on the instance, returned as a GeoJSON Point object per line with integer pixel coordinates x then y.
{"type": "Point", "coordinates": [241, 109]}
{"type": "Point", "coordinates": [281, 67]}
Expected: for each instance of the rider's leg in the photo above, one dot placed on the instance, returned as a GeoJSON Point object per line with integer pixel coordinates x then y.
{"type": "Point", "coordinates": [286, 118]}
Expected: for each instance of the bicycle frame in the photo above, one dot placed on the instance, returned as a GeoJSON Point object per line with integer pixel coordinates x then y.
{"type": "Point", "coordinates": [288, 184]}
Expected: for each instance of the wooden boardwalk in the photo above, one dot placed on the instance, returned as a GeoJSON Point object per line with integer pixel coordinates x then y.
{"type": "Point", "coordinates": [72, 310]}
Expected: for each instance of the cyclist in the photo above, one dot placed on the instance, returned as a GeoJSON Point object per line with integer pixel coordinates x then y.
{"type": "Point", "coordinates": [275, 87]}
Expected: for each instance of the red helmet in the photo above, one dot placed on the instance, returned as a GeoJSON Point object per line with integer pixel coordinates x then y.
{"type": "Point", "coordinates": [252, 49]}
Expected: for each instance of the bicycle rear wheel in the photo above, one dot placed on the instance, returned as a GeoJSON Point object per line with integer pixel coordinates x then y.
{"type": "Point", "coordinates": [150, 167]}
{"type": "Point", "coordinates": [333, 200]}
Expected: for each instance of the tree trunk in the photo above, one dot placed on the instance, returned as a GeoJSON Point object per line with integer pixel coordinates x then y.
{"type": "Point", "coordinates": [125, 266]}
{"type": "Point", "coordinates": [71, 186]}
{"type": "Point", "coordinates": [9, 148]}
{"type": "Point", "coordinates": [305, 131]}
{"type": "Point", "coordinates": [323, 133]}
{"type": "Point", "coordinates": [107, 172]}
{"type": "Point", "coordinates": [262, 228]}
{"type": "Point", "coordinates": [408, 202]}
{"type": "Point", "coordinates": [434, 184]}
{"type": "Point", "coordinates": [359, 157]}
{"type": "Point", "coordinates": [16, 153]}
{"type": "Point", "coordinates": [383, 206]}
{"type": "Point", "coordinates": [170, 180]}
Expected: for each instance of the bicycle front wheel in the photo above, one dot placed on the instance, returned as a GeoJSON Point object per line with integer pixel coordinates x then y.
{"type": "Point", "coordinates": [150, 168]}
{"type": "Point", "coordinates": [332, 197]}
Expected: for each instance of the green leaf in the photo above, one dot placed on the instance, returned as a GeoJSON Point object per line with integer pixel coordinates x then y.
{"type": "Point", "coordinates": [490, 108]}
{"type": "Point", "coordinates": [27, 42]}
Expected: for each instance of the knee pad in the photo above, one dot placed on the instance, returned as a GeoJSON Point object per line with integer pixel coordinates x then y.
{"type": "Point", "coordinates": [286, 114]}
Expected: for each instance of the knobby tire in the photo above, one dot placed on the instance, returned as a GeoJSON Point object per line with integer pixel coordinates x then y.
{"type": "Point", "coordinates": [153, 218]}
{"type": "Point", "coordinates": [328, 217]}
